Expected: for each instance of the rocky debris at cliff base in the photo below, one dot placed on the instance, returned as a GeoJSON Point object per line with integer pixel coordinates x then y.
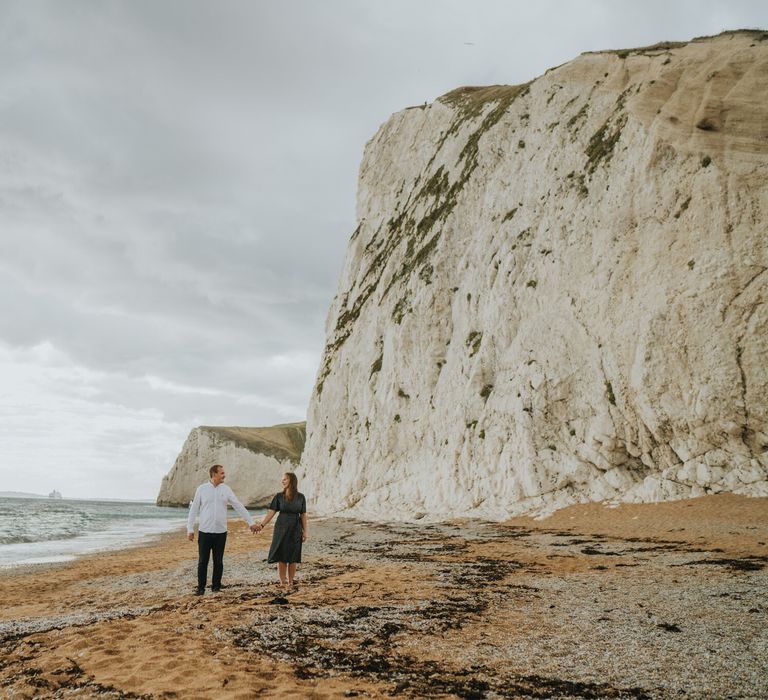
{"type": "Point", "coordinates": [467, 609]}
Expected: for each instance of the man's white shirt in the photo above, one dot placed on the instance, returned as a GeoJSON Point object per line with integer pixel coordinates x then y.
{"type": "Point", "coordinates": [211, 503]}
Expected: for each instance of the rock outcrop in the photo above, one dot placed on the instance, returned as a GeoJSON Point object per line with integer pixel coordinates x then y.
{"type": "Point", "coordinates": [556, 294]}
{"type": "Point", "coordinates": [255, 459]}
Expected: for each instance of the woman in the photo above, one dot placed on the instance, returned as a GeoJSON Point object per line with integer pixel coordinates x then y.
{"type": "Point", "coordinates": [290, 529]}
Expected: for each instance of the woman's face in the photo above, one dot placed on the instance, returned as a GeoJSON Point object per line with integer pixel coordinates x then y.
{"type": "Point", "coordinates": [285, 481]}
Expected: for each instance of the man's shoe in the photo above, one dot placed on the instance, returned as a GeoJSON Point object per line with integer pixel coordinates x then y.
{"type": "Point", "coordinates": [216, 590]}
{"type": "Point", "coordinates": [199, 591]}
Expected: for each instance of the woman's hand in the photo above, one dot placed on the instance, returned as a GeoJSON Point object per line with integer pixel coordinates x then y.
{"type": "Point", "coordinates": [303, 536]}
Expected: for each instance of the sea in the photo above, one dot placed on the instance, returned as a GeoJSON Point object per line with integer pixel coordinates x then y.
{"type": "Point", "coordinates": [46, 530]}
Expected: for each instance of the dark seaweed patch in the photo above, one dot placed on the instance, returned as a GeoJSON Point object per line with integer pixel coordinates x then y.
{"type": "Point", "coordinates": [70, 681]}
{"type": "Point", "coordinates": [409, 676]}
{"type": "Point", "coordinates": [483, 571]}
{"type": "Point", "coordinates": [669, 627]}
{"type": "Point", "coordinates": [593, 551]}
{"type": "Point", "coordinates": [507, 532]}
{"type": "Point", "coordinates": [745, 564]}
{"type": "Point", "coordinates": [362, 640]}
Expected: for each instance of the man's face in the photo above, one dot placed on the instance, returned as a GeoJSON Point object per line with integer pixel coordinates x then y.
{"type": "Point", "coordinates": [218, 476]}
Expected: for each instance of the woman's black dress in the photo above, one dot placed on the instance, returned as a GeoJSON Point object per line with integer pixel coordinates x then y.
{"type": "Point", "coordinates": [286, 537]}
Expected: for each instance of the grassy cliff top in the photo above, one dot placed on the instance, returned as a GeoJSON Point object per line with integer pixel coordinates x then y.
{"type": "Point", "coordinates": [285, 441]}
{"type": "Point", "coordinates": [756, 34]}
{"type": "Point", "coordinates": [472, 99]}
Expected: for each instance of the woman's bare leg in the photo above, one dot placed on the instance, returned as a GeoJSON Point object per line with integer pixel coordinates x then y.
{"type": "Point", "coordinates": [281, 567]}
{"type": "Point", "coordinates": [291, 574]}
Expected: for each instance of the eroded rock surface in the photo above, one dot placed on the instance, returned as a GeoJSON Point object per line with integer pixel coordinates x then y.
{"type": "Point", "coordinates": [254, 458]}
{"type": "Point", "coordinates": [556, 294]}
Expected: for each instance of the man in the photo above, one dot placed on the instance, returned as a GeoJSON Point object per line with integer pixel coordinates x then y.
{"type": "Point", "coordinates": [211, 500]}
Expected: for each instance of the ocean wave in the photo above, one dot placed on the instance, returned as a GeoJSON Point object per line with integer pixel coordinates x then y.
{"type": "Point", "coordinates": [38, 537]}
{"type": "Point", "coordinates": [40, 521]}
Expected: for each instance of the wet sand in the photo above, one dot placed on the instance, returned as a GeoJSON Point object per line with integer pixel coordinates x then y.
{"type": "Point", "coordinates": [659, 600]}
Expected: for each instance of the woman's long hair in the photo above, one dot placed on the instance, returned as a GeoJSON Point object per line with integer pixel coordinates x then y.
{"type": "Point", "coordinates": [293, 486]}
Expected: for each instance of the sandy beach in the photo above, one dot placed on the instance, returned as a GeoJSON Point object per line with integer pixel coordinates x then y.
{"type": "Point", "coordinates": [658, 600]}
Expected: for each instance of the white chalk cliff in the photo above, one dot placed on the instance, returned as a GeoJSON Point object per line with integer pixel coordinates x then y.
{"type": "Point", "coordinates": [556, 294]}
{"type": "Point", "coordinates": [254, 459]}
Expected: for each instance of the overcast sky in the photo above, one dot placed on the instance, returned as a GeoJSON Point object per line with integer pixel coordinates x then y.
{"type": "Point", "coordinates": [177, 188]}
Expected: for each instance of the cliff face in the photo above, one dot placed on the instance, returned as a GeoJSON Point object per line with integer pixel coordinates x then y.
{"type": "Point", "coordinates": [556, 293]}
{"type": "Point", "coordinates": [254, 458]}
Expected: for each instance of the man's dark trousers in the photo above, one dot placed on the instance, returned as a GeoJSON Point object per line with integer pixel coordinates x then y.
{"type": "Point", "coordinates": [208, 542]}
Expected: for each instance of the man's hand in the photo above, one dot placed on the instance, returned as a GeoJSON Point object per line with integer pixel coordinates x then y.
{"type": "Point", "coordinates": [256, 527]}
{"type": "Point", "coordinates": [191, 536]}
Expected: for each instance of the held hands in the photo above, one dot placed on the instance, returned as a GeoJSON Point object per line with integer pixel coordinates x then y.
{"type": "Point", "coordinates": [256, 527]}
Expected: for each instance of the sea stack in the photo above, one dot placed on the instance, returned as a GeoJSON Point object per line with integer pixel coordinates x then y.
{"type": "Point", "coordinates": [556, 294]}
{"type": "Point", "coordinates": [254, 459]}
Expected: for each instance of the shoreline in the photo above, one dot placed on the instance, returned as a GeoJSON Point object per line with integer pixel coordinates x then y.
{"type": "Point", "coordinates": [645, 600]}
{"type": "Point", "coordinates": [74, 548]}
{"type": "Point", "coordinates": [48, 531]}
{"type": "Point", "coordinates": [148, 540]}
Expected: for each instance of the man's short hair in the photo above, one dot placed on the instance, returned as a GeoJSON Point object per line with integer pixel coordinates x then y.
{"type": "Point", "coordinates": [214, 469]}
